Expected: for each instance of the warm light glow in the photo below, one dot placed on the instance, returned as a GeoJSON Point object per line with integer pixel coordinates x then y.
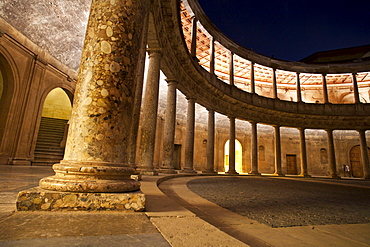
{"type": "Point", "coordinates": [238, 156]}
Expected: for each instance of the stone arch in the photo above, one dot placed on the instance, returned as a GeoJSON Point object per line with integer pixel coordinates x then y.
{"type": "Point", "coordinates": [8, 94]}
{"type": "Point", "coordinates": [53, 127]}
{"type": "Point", "coordinates": [238, 156]}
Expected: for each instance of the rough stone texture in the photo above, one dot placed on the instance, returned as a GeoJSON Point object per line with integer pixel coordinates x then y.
{"type": "Point", "coordinates": [37, 199]}
{"type": "Point", "coordinates": [58, 26]}
{"type": "Point", "coordinates": [287, 203]}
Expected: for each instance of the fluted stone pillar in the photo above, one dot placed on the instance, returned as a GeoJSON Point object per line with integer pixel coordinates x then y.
{"type": "Point", "coordinates": [278, 171]}
{"type": "Point", "coordinates": [211, 143]}
{"type": "Point", "coordinates": [303, 153]}
{"type": "Point", "coordinates": [364, 154]}
{"type": "Point", "coordinates": [95, 158]}
{"type": "Point", "coordinates": [331, 153]}
{"type": "Point", "coordinates": [169, 126]}
{"type": "Point", "coordinates": [232, 170]}
{"type": "Point", "coordinates": [149, 115]}
{"type": "Point", "coordinates": [189, 142]}
{"type": "Point", "coordinates": [254, 146]}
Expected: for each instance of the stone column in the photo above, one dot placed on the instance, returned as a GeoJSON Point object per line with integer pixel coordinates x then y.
{"type": "Point", "coordinates": [212, 57]}
{"type": "Point", "coordinates": [299, 93]}
{"type": "Point", "coordinates": [331, 154]}
{"type": "Point", "coordinates": [231, 170]}
{"type": "Point", "coordinates": [277, 152]}
{"type": "Point", "coordinates": [95, 158]}
{"type": "Point", "coordinates": [189, 144]}
{"type": "Point", "coordinates": [211, 143]}
{"type": "Point", "coordinates": [325, 89]}
{"type": "Point", "coordinates": [169, 126]}
{"type": "Point", "coordinates": [364, 154]}
{"type": "Point", "coordinates": [138, 95]}
{"type": "Point", "coordinates": [149, 115]}
{"type": "Point", "coordinates": [254, 145]}
{"type": "Point", "coordinates": [193, 48]}
{"type": "Point", "coordinates": [274, 84]}
{"type": "Point", "coordinates": [355, 88]}
{"type": "Point", "coordinates": [303, 153]}
{"type": "Point", "coordinates": [253, 88]}
{"type": "Point", "coordinates": [231, 69]}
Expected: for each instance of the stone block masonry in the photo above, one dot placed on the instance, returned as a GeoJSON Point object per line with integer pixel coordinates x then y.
{"type": "Point", "coordinates": [37, 199]}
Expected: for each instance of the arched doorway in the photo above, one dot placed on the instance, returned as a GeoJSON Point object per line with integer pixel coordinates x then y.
{"type": "Point", "coordinates": [356, 165]}
{"type": "Point", "coordinates": [52, 134]}
{"type": "Point", "coordinates": [238, 156]}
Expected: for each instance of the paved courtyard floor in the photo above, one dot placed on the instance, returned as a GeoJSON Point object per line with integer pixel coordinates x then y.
{"type": "Point", "coordinates": [288, 202]}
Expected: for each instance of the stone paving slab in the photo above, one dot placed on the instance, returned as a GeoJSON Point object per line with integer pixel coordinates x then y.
{"type": "Point", "coordinates": [287, 202]}
{"type": "Point", "coordinates": [257, 234]}
{"type": "Point", "coordinates": [133, 240]}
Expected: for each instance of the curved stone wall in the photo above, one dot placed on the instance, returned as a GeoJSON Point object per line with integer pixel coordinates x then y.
{"type": "Point", "coordinates": [212, 93]}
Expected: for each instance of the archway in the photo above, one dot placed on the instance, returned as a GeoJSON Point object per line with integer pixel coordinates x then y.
{"type": "Point", "coordinates": [6, 118]}
{"type": "Point", "coordinates": [238, 156]}
{"type": "Point", "coordinates": [356, 166]}
{"type": "Point", "coordinates": [52, 134]}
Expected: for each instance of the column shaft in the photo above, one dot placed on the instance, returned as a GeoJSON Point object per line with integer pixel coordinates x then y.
{"type": "Point", "coordinates": [254, 146]}
{"type": "Point", "coordinates": [364, 154]}
{"type": "Point", "coordinates": [96, 156]}
{"type": "Point", "coordinates": [212, 58]}
{"type": "Point", "coordinates": [303, 153]}
{"type": "Point", "coordinates": [169, 126]}
{"type": "Point", "coordinates": [211, 143]}
{"type": "Point", "coordinates": [231, 170]}
{"type": "Point", "coordinates": [253, 88]}
{"type": "Point", "coordinates": [325, 89]}
{"type": "Point", "coordinates": [274, 84]}
{"type": "Point", "coordinates": [138, 96]}
{"type": "Point", "coordinates": [277, 151]}
{"type": "Point", "coordinates": [194, 28]}
{"type": "Point", "coordinates": [231, 69]}
{"type": "Point", "coordinates": [149, 115]}
{"type": "Point", "coordinates": [189, 144]}
{"type": "Point", "coordinates": [299, 93]}
{"type": "Point", "coordinates": [355, 88]}
{"type": "Point", "coordinates": [331, 152]}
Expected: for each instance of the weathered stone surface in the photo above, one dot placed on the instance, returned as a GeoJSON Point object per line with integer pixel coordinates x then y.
{"type": "Point", "coordinates": [37, 199]}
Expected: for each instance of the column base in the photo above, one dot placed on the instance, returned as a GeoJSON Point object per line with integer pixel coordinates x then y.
{"type": "Point", "coordinates": [278, 174]}
{"type": "Point", "coordinates": [209, 172]}
{"type": "Point", "coordinates": [304, 175]}
{"type": "Point", "coordinates": [334, 176]}
{"type": "Point", "coordinates": [254, 173]}
{"type": "Point", "coordinates": [168, 170]}
{"type": "Point", "coordinates": [38, 199]}
{"type": "Point", "coordinates": [149, 173]}
{"type": "Point", "coordinates": [188, 171]}
{"type": "Point", "coordinates": [232, 173]}
{"type": "Point", "coordinates": [20, 162]}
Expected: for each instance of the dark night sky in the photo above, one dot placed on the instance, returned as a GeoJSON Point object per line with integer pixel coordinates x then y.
{"type": "Point", "coordinates": [292, 29]}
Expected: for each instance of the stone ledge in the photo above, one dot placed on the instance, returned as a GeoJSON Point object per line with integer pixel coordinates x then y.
{"type": "Point", "coordinates": [37, 199]}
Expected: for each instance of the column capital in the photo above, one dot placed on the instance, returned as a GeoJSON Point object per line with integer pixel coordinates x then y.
{"type": "Point", "coordinates": [191, 98]}
{"type": "Point", "coordinates": [154, 52]}
{"type": "Point", "coordinates": [171, 81]}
